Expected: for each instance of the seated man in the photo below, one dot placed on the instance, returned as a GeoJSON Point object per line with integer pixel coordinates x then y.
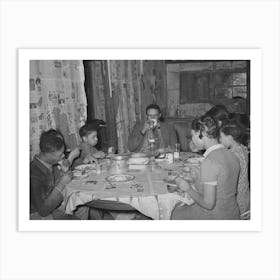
{"type": "Point", "coordinates": [47, 182]}
{"type": "Point", "coordinates": [164, 133]}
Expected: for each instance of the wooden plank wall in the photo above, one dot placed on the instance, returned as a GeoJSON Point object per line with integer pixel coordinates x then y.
{"type": "Point", "coordinates": [134, 84]}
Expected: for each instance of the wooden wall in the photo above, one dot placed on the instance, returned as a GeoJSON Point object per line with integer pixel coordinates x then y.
{"type": "Point", "coordinates": [196, 108]}
{"type": "Point", "coordinates": [119, 91]}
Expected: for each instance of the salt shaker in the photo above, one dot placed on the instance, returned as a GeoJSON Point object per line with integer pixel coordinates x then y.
{"type": "Point", "coordinates": [98, 168]}
{"type": "Point", "coordinates": [170, 157]}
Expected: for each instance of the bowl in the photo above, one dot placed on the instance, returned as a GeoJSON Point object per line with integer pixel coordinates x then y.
{"type": "Point", "coordinates": [140, 160]}
{"type": "Point", "coordinates": [120, 178]}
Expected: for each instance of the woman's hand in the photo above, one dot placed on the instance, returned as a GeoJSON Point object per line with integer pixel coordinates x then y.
{"type": "Point", "coordinates": [182, 184]}
{"type": "Point", "coordinates": [193, 147]}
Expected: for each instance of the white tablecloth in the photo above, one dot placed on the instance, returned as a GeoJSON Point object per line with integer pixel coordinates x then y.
{"type": "Point", "coordinates": [147, 192]}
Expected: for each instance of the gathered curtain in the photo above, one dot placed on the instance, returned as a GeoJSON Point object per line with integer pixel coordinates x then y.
{"type": "Point", "coordinates": [57, 100]}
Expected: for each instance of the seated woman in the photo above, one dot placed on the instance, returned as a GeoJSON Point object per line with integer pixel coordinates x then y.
{"type": "Point", "coordinates": [231, 138]}
{"type": "Point", "coordinates": [216, 185]}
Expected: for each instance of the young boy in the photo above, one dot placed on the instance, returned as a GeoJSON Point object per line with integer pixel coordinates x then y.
{"type": "Point", "coordinates": [88, 152]}
{"type": "Point", "coordinates": [47, 182]}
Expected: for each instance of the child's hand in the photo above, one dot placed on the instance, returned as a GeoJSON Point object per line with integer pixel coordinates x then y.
{"type": "Point", "coordinates": [99, 154]}
{"type": "Point", "coordinates": [74, 154]}
{"type": "Point", "coordinates": [90, 159]}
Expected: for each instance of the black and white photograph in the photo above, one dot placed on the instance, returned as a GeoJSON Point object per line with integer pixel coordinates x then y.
{"type": "Point", "coordinates": [140, 139]}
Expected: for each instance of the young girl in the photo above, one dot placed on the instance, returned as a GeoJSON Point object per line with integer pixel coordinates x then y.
{"type": "Point", "coordinates": [231, 138]}
{"type": "Point", "coordinates": [217, 182]}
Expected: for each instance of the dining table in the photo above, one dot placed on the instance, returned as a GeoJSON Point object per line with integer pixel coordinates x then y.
{"type": "Point", "coordinates": [147, 190]}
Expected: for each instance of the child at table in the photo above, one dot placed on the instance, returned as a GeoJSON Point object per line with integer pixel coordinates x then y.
{"type": "Point", "coordinates": [86, 151]}
{"type": "Point", "coordinates": [47, 182]}
{"type": "Point", "coordinates": [231, 137]}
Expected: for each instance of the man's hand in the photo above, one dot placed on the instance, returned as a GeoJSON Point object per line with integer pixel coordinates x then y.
{"type": "Point", "coordinates": [146, 127]}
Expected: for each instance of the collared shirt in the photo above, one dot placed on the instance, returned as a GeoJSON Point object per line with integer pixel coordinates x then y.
{"type": "Point", "coordinates": [166, 134]}
{"type": "Point", "coordinates": [44, 197]}
{"type": "Point", "coordinates": [212, 148]}
{"type": "Point", "coordinates": [49, 166]}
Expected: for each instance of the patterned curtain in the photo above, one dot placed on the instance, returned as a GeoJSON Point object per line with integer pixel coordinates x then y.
{"type": "Point", "coordinates": [57, 100]}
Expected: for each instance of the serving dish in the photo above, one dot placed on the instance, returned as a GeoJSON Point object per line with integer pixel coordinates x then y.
{"type": "Point", "coordinates": [116, 178]}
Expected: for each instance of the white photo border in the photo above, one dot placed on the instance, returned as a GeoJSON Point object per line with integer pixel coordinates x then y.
{"type": "Point", "coordinates": [255, 57]}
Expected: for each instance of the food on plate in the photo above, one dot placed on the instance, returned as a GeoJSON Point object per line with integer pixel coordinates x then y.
{"type": "Point", "coordinates": [139, 160]}
{"type": "Point", "coordinates": [85, 167]}
{"type": "Point", "coordinates": [79, 174]}
{"type": "Point", "coordinates": [120, 178]}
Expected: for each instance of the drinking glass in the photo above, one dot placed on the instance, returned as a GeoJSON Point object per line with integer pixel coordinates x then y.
{"type": "Point", "coordinates": [177, 151]}
{"type": "Point", "coordinates": [177, 147]}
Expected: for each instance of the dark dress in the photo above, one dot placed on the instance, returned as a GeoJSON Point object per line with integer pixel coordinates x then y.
{"type": "Point", "coordinates": [220, 166]}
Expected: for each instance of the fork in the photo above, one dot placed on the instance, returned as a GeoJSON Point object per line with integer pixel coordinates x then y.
{"type": "Point", "coordinates": [112, 186]}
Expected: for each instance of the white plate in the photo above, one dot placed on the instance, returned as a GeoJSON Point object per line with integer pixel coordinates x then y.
{"type": "Point", "coordinates": [79, 174]}
{"type": "Point", "coordinates": [137, 167]}
{"type": "Point", "coordinates": [120, 178]}
{"type": "Point", "coordinates": [85, 167]}
{"type": "Point", "coordinates": [195, 160]}
{"type": "Point", "coordinates": [138, 155]}
{"type": "Point", "coordinates": [140, 160]}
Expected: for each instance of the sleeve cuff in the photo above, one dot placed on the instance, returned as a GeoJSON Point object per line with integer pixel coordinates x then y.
{"type": "Point", "coordinates": [212, 183]}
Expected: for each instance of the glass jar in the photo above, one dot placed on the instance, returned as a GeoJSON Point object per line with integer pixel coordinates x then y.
{"type": "Point", "coordinates": [118, 164]}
